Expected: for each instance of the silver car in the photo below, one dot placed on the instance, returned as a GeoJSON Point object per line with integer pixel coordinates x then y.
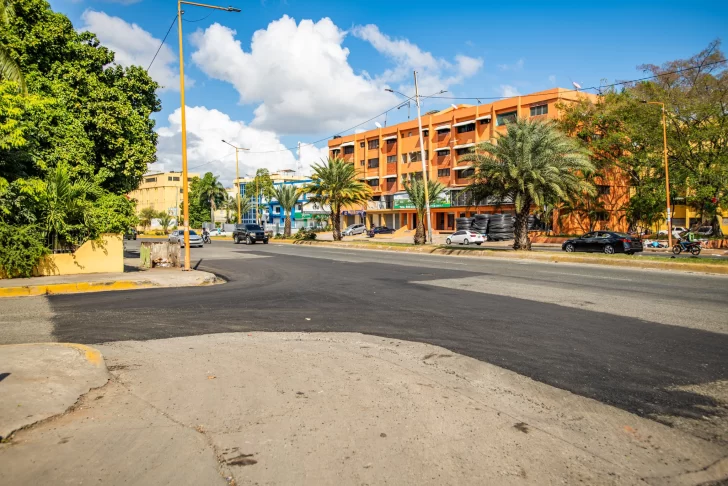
{"type": "Point", "coordinates": [178, 236]}
{"type": "Point", "coordinates": [354, 229]}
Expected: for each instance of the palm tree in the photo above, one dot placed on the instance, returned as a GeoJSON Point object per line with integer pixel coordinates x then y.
{"type": "Point", "coordinates": [335, 184]}
{"type": "Point", "coordinates": [286, 195]}
{"type": "Point", "coordinates": [9, 69]}
{"type": "Point", "coordinates": [415, 188]}
{"type": "Point", "coordinates": [165, 220]}
{"type": "Point", "coordinates": [532, 164]}
{"type": "Point", "coordinates": [146, 215]}
{"type": "Point", "coordinates": [231, 207]}
{"type": "Point", "coordinates": [65, 207]}
{"type": "Point", "coordinates": [212, 192]}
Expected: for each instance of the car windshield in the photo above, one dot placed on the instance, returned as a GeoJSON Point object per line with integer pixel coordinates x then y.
{"type": "Point", "coordinates": [253, 227]}
{"type": "Point", "coordinates": [622, 235]}
{"type": "Point", "coordinates": [192, 233]}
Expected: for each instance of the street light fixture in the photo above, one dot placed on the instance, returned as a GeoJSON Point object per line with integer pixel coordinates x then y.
{"type": "Point", "coordinates": [237, 175]}
{"type": "Point", "coordinates": [417, 99]}
{"type": "Point", "coordinates": [185, 183]}
{"type": "Point", "coordinates": [667, 171]}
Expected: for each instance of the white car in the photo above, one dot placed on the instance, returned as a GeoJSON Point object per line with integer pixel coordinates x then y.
{"type": "Point", "coordinates": [464, 237]}
{"type": "Point", "coordinates": [354, 229]}
{"type": "Point", "coordinates": [676, 231]}
{"type": "Point", "coordinates": [178, 236]}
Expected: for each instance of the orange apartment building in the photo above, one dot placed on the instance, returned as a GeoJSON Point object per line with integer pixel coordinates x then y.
{"type": "Point", "coordinates": [385, 156]}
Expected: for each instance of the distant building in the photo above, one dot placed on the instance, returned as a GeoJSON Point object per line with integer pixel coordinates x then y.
{"type": "Point", "coordinates": [161, 191]}
{"type": "Point", "coordinates": [285, 176]}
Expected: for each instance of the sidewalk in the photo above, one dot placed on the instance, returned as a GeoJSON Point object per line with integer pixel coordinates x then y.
{"type": "Point", "coordinates": [338, 408]}
{"type": "Point", "coordinates": [101, 282]}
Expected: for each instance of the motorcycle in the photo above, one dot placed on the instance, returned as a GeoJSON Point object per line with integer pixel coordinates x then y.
{"type": "Point", "coordinates": [206, 238]}
{"type": "Point", "coordinates": [693, 247]}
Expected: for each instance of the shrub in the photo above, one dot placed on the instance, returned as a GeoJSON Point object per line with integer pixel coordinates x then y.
{"type": "Point", "coordinates": [304, 234]}
{"type": "Point", "coordinates": [21, 248]}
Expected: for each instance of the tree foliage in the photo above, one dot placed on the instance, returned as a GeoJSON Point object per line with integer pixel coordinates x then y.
{"type": "Point", "coordinates": [211, 192]}
{"type": "Point", "coordinates": [335, 184]}
{"type": "Point", "coordinates": [286, 195]}
{"type": "Point", "coordinates": [415, 188]}
{"type": "Point", "coordinates": [534, 163]}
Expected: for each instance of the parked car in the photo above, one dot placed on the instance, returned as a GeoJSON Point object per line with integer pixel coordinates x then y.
{"type": "Point", "coordinates": [604, 242]}
{"type": "Point", "coordinates": [354, 229]}
{"type": "Point", "coordinates": [131, 234]}
{"type": "Point", "coordinates": [380, 230]}
{"type": "Point", "coordinates": [465, 237]}
{"type": "Point", "coordinates": [676, 231]}
{"type": "Point", "coordinates": [250, 233]}
{"type": "Point", "coordinates": [704, 231]}
{"type": "Point", "coordinates": [178, 236]}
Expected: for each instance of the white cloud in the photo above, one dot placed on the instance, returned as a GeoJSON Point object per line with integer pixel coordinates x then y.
{"type": "Point", "coordinates": [206, 128]}
{"type": "Point", "coordinates": [516, 66]}
{"type": "Point", "coordinates": [299, 74]}
{"type": "Point", "coordinates": [135, 46]}
{"type": "Point", "coordinates": [507, 90]}
{"type": "Point", "coordinates": [433, 73]}
{"type": "Point", "coordinates": [552, 79]}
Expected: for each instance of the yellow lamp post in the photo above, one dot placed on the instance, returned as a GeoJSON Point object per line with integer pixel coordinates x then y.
{"type": "Point", "coordinates": [667, 171]}
{"type": "Point", "coordinates": [237, 176]}
{"type": "Point", "coordinates": [185, 183]}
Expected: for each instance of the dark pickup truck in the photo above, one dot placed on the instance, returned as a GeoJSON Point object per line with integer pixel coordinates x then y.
{"type": "Point", "coordinates": [250, 233]}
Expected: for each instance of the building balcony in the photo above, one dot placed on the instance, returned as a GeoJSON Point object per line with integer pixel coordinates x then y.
{"type": "Point", "coordinates": [377, 205]}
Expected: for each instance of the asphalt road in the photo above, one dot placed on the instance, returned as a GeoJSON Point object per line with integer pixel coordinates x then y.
{"type": "Point", "coordinates": [639, 340]}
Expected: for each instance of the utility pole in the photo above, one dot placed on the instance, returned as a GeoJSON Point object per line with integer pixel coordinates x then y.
{"type": "Point", "coordinates": [424, 162]}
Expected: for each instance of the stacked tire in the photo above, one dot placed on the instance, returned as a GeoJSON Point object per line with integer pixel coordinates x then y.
{"type": "Point", "coordinates": [463, 224]}
{"type": "Point", "coordinates": [500, 227]}
{"type": "Point", "coordinates": [480, 223]}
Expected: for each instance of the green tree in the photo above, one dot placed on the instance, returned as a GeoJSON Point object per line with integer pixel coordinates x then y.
{"type": "Point", "coordinates": [211, 192]}
{"type": "Point", "coordinates": [286, 195]}
{"type": "Point", "coordinates": [534, 163]}
{"type": "Point", "coordinates": [335, 184]}
{"type": "Point", "coordinates": [415, 188]}
{"type": "Point", "coordinates": [146, 215]}
{"type": "Point", "coordinates": [198, 206]}
{"type": "Point", "coordinates": [165, 219]}
{"type": "Point", "coordinates": [9, 69]}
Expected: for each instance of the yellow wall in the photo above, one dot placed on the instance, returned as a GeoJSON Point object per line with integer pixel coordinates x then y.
{"type": "Point", "coordinates": [102, 256]}
{"type": "Point", "coordinates": [160, 191]}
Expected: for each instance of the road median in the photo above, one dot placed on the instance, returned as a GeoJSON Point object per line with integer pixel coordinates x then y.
{"type": "Point", "coordinates": [104, 282]}
{"type": "Point", "coordinates": [684, 264]}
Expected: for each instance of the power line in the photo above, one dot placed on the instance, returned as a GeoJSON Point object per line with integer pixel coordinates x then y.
{"type": "Point", "coordinates": [597, 88]}
{"type": "Point", "coordinates": [199, 20]}
{"type": "Point", "coordinates": [162, 43]}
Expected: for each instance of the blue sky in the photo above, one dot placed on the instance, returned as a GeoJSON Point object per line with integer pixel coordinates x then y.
{"type": "Point", "coordinates": [318, 67]}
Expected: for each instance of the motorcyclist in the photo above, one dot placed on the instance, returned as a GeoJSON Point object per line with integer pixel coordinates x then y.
{"type": "Point", "coordinates": [205, 234]}
{"type": "Point", "coordinates": [687, 239]}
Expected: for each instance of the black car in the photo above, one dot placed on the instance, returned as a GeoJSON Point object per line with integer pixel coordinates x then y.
{"type": "Point", "coordinates": [604, 242]}
{"type": "Point", "coordinates": [131, 234]}
{"type": "Point", "coordinates": [380, 230]}
{"type": "Point", "coordinates": [250, 233]}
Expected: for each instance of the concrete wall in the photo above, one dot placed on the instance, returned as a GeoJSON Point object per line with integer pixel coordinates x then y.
{"type": "Point", "coordinates": [106, 255]}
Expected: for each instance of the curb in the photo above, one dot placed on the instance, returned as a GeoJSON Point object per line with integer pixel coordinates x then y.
{"type": "Point", "coordinates": [646, 264]}
{"type": "Point", "coordinates": [89, 287]}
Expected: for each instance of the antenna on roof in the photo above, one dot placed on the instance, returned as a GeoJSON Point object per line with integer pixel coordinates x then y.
{"type": "Point", "coordinates": [576, 85]}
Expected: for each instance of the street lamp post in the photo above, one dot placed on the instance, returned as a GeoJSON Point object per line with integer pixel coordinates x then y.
{"type": "Point", "coordinates": [667, 171]}
{"type": "Point", "coordinates": [237, 175]}
{"type": "Point", "coordinates": [417, 98]}
{"type": "Point", "coordinates": [183, 123]}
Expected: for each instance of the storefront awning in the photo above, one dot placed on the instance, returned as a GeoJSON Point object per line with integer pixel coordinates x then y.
{"type": "Point", "coordinates": [486, 117]}
{"type": "Point", "coordinates": [371, 178]}
{"type": "Point", "coordinates": [463, 167]}
{"type": "Point", "coordinates": [462, 124]}
{"type": "Point", "coordinates": [391, 137]}
{"type": "Point", "coordinates": [390, 176]}
{"type": "Point", "coordinates": [442, 127]}
{"type": "Point", "coordinates": [347, 144]}
{"type": "Point", "coordinates": [442, 149]}
{"type": "Point", "coordinates": [465, 145]}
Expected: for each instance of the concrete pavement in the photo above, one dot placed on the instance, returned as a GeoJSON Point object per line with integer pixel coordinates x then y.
{"type": "Point", "coordinates": [38, 381]}
{"type": "Point", "coordinates": [339, 408]}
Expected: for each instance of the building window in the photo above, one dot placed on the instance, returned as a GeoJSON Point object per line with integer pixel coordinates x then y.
{"type": "Point", "coordinates": [405, 158]}
{"type": "Point", "coordinates": [485, 121]}
{"type": "Point", "coordinates": [348, 150]}
{"type": "Point", "coordinates": [415, 156]}
{"type": "Point", "coordinates": [361, 163]}
{"type": "Point", "coordinates": [391, 159]}
{"type": "Point", "coordinates": [443, 172]}
{"type": "Point", "coordinates": [505, 118]}
{"type": "Point", "coordinates": [425, 132]}
{"type": "Point", "coordinates": [470, 127]}
{"type": "Point", "coordinates": [373, 182]}
{"type": "Point", "coordinates": [335, 153]}
{"type": "Point", "coordinates": [391, 141]}
{"type": "Point", "coordinates": [462, 151]}
{"type": "Point", "coordinates": [373, 144]}
{"type": "Point", "coordinates": [466, 173]}
{"type": "Point", "coordinates": [299, 207]}
{"type": "Point", "coordinates": [539, 110]}
{"type": "Point", "coordinates": [150, 179]}
{"type": "Point", "coordinates": [180, 191]}
{"type": "Point", "coordinates": [603, 190]}
{"type": "Point", "coordinates": [361, 144]}
{"type": "Point", "coordinates": [373, 163]}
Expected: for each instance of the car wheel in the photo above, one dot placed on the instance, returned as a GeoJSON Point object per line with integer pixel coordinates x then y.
{"type": "Point", "coordinates": [265, 242]}
{"type": "Point", "coordinates": [466, 242]}
{"type": "Point", "coordinates": [479, 244]}
{"type": "Point", "coordinates": [629, 252]}
{"type": "Point", "coordinates": [609, 249]}
{"type": "Point", "coordinates": [569, 248]}
{"type": "Point", "coordinates": [250, 241]}
{"type": "Point", "coordinates": [448, 241]}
